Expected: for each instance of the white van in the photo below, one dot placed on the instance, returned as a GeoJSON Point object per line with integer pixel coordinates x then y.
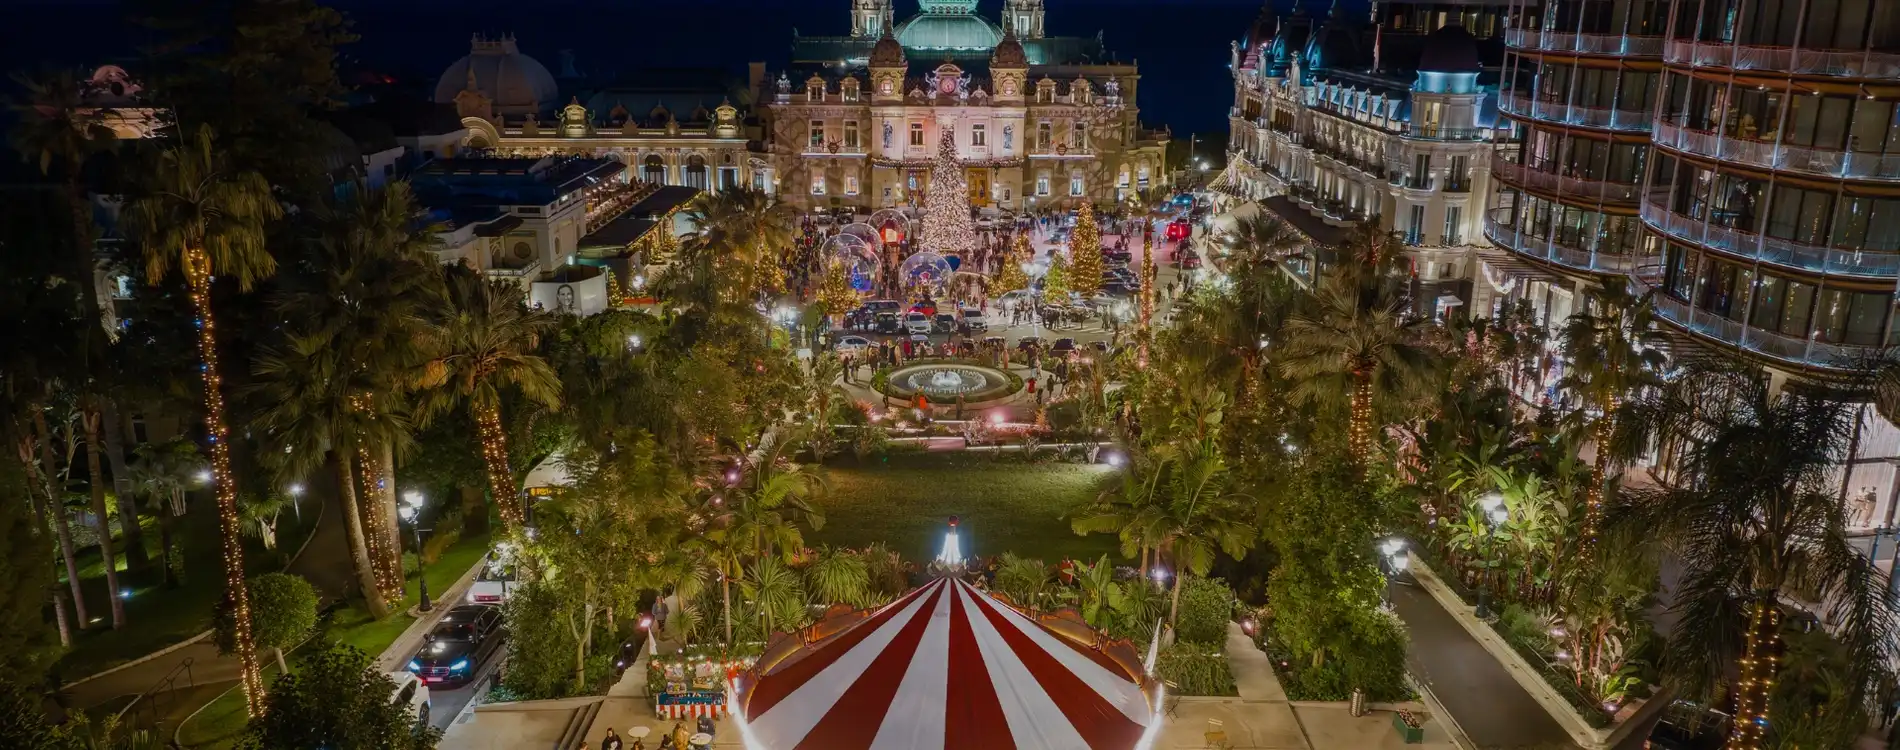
{"type": "Point", "coordinates": [410, 691]}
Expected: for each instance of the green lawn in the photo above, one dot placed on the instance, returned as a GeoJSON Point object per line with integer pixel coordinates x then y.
{"type": "Point", "coordinates": [1003, 507]}
{"type": "Point", "coordinates": [157, 617]}
{"type": "Point", "coordinates": [220, 723]}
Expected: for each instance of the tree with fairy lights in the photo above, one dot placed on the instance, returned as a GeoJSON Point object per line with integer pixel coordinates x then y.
{"type": "Point", "coordinates": [835, 294]}
{"type": "Point", "coordinates": [1011, 277]}
{"type": "Point", "coordinates": [947, 226]}
{"type": "Point", "coordinates": [1085, 253]}
{"type": "Point", "coordinates": [205, 220]}
{"type": "Point", "coordinates": [1055, 283]}
{"type": "Point", "coordinates": [1146, 332]}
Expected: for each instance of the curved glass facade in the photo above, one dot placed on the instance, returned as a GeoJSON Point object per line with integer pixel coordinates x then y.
{"type": "Point", "coordinates": [1771, 206]}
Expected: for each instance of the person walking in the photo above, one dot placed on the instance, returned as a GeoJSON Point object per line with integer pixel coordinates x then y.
{"type": "Point", "coordinates": [847, 368]}
{"type": "Point", "coordinates": [611, 741]}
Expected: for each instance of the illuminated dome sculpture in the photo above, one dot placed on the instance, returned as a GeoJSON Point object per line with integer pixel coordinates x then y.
{"type": "Point", "coordinates": [892, 226]}
{"type": "Point", "coordinates": [859, 256]}
{"type": "Point", "coordinates": [948, 667]}
{"type": "Point", "coordinates": [864, 231]}
{"type": "Point", "coordinates": [924, 269]}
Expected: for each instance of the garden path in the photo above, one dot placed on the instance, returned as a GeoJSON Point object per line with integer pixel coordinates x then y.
{"type": "Point", "coordinates": [1491, 708]}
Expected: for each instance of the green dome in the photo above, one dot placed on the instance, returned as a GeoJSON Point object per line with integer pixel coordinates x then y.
{"type": "Point", "coordinates": [948, 31]}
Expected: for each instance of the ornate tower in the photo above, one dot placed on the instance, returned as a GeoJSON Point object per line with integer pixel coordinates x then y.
{"type": "Point", "coordinates": [1009, 70]}
{"type": "Point", "coordinates": [870, 18]}
{"type": "Point", "coordinates": [1023, 17]}
{"type": "Point", "coordinates": [887, 69]}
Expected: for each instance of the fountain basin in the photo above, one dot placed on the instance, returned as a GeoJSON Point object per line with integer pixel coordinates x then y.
{"type": "Point", "coordinates": [941, 382]}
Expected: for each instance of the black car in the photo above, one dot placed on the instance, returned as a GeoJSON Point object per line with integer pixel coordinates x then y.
{"type": "Point", "coordinates": [943, 323]}
{"type": "Point", "coordinates": [455, 648]}
{"type": "Point", "coordinates": [888, 323]}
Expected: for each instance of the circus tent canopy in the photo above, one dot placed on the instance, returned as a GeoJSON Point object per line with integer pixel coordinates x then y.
{"type": "Point", "coordinates": [947, 666]}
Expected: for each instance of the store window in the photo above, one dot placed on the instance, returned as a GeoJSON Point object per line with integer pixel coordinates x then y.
{"type": "Point", "coordinates": [1075, 183]}
{"type": "Point", "coordinates": [850, 184]}
{"type": "Point", "coordinates": [817, 184]}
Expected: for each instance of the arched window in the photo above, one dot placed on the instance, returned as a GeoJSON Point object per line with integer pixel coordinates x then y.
{"type": "Point", "coordinates": [655, 170]}
{"type": "Point", "coordinates": [695, 174]}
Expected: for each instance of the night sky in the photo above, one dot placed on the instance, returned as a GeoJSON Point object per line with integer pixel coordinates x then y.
{"type": "Point", "coordinates": [1181, 44]}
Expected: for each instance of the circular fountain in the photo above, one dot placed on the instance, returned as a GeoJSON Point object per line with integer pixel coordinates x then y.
{"type": "Point", "coordinates": [943, 382]}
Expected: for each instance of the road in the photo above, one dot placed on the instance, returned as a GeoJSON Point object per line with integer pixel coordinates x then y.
{"type": "Point", "coordinates": [1492, 709]}
{"type": "Point", "coordinates": [445, 704]}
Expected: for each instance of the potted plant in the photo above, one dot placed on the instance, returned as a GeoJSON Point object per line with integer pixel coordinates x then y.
{"type": "Point", "coordinates": [1410, 725]}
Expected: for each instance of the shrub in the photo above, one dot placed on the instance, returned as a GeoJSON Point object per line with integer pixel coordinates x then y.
{"type": "Point", "coordinates": [1207, 604]}
{"type": "Point", "coordinates": [1196, 668]}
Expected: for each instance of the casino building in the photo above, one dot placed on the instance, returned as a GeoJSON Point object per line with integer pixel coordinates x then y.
{"type": "Point", "coordinates": [1039, 121]}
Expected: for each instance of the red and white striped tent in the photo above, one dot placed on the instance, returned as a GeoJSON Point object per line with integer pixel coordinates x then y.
{"type": "Point", "coordinates": [946, 667]}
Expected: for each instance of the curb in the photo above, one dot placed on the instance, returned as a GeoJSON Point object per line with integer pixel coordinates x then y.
{"type": "Point", "coordinates": [201, 635]}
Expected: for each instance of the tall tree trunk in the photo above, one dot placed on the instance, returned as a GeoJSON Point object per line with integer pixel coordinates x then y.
{"type": "Point", "coordinates": [42, 475]}
{"type": "Point", "coordinates": [1599, 484]}
{"type": "Point", "coordinates": [114, 428]}
{"type": "Point", "coordinates": [165, 547]}
{"type": "Point", "coordinates": [39, 527]}
{"type": "Point", "coordinates": [1761, 656]}
{"type": "Point", "coordinates": [501, 478]}
{"type": "Point", "coordinates": [359, 546]}
{"type": "Point", "coordinates": [282, 668]}
{"type": "Point", "coordinates": [59, 616]}
{"type": "Point", "coordinates": [1359, 428]}
{"type": "Point", "coordinates": [1174, 599]}
{"type": "Point", "coordinates": [197, 268]}
{"type": "Point", "coordinates": [385, 563]}
{"type": "Point", "coordinates": [95, 480]}
{"type": "Point", "coordinates": [385, 454]}
{"type": "Point", "coordinates": [725, 596]}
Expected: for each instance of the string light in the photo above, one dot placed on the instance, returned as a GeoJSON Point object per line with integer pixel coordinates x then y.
{"type": "Point", "coordinates": [1359, 432]}
{"type": "Point", "coordinates": [495, 455]}
{"type": "Point", "coordinates": [385, 562]}
{"type": "Point", "coordinates": [947, 227]}
{"type": "Point", "coordinates": [1147, 297]}
{"type": "Point", "coordinates": [1593, 497]}
{"type": "Point", "coordinates": [1011, 277]}
{"type": "Point", "coordinates": [1085, 252]}
{"type": "Point", "coordinates": [1759, 665]}
{"type": "Point", "coordinates": [197, 268]}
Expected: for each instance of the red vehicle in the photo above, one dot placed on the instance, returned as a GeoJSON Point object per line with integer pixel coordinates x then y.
{"type": "Point", "coordinates": [926, 307]}
{"type": "Point", "coordinates": [1179, 230]}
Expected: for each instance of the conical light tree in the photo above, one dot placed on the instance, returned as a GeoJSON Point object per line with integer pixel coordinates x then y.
{"type": "Point", "coordinates": [205, 220]}
{"type": "Point", "coordinates": [1055, 283]}
{"type": "Point", "coordinates": [1011, 277]}
{"type": "Point", "coordinates": [1085, 253]}
{"type": "Point", "coordinates": [947, 225]}
{"type": "Point", "coordinates": [835, 294]}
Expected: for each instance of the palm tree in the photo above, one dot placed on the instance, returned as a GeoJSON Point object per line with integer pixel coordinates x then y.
{"type": "Point", "coordinates": [1363, 354]}
{"type": "Point", "coordinates": [368, 285]}
{"type": "Point", "coordinates": [205, 220]}
{"type": "Point", "coordinates": [34, 367]}
{"type": "Point", "coordinates": [163, 474]}
{"type": "Point", "coordinates": [743, 229]}
{"type": "Point", "coordinates": [1133, 512]}
{"type": "Point", "coordinates": [1612, 353]}
{"type": "Point", "coordinates": [315, 411]}
{"type": "Point", "coordinates": [1759, 520]}
{"type": "Point", "coordinates": [1189, 510]}
{"type": "Point", "coordinates": [487, 343]}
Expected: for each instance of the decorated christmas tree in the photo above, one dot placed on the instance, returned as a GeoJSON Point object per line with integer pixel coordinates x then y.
{"type": "Point", "coordinates": [1055, 283]}
{"type": "Point", "coordinates": [947, 229]}
{"type": "Point", "coordinates": [1011, 277]}
{"type": "Point", "coordinates": [835, 294]}
{"type": "Point", "coordinates": [1085, 253]}
{"type": "Point", "coordinates": [1147, 297]}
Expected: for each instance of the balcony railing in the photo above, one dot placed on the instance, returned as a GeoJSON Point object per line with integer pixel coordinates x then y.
{"type": "Point", "coordinates": [1815, 161]}
{"type": "Point", "coordinates": [1551, 110]}
{"type": "Point", "coordinates": [1806, 351]}
{"type": "Point", "coordinates": [1825, 62]}
{"type": "Point", "coordinates": [1768, 249]}
{"type": "Point", "coordinates": [528, 269]}
{"type": "Point", "coordinates": [1360, 162]}
{"type": "Point", "coordinates": [1565, 187]}
{"type": "Point", "coordinates": [1432, 133]}
{"type": "Point", "coordinates": [1627, 45]}
{"type": "Point", "coordinates": [1560, 253]}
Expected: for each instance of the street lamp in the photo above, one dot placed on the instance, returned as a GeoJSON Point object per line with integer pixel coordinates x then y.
{"type": "Point", "coordinates": [1495, 514]}
{"type": "Point", "coordinates": [1393, 560]}
{"type": "Point", "coordinates": [411, 513]}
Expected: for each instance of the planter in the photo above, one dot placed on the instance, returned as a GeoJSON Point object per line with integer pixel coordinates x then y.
{"type": "Point", "coordinates": [1410, 726]}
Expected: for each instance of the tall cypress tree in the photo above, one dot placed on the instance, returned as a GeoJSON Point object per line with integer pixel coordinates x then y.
{"type": "Point", "coordinates": [27, 641]}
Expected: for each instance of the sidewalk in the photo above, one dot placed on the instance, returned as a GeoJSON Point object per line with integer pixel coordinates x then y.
{"type": "Point", "coordinates": [1486, 702]}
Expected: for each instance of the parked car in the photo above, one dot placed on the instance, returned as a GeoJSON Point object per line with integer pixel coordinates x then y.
{"type": "Point", "coordinates": [411, 694]}
{"type": "Point", "coordinates": [456, 647]}
{"type": "Point", "coordinates": [1188, 261]}
{"type": "Point", "coordinates": [1031, 342]}
{"type": "Point", "coordinates": [1063, 346]}
{"type": "Point", "coordinates": [944, 323]}
{"type": "Point", "coordinates": [927, 307]}
{"type": "Point", "coordinates": [888, 322]}
{"type": "Point", "coordinates": [916, 323]}
{"type": "Point", "coordinates": [973, 319]}
{"type": "Point", "coordinates": [853, 345]}
{"type": "Point", "coordinates": [491, 585]}
{"type": "Point", "coordinates": [883, 305]}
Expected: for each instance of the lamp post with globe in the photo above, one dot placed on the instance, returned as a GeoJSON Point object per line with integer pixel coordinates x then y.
{"type": "Point", "coordinates": [1393, 560]}
{"type": "Point", "coordinates": [411, 513]}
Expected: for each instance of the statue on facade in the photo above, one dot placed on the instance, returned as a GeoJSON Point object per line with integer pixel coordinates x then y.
{"type": "Point", "coordinates": [1009, 137]}
{"type": "Point", "coordinates": [887, 134]}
